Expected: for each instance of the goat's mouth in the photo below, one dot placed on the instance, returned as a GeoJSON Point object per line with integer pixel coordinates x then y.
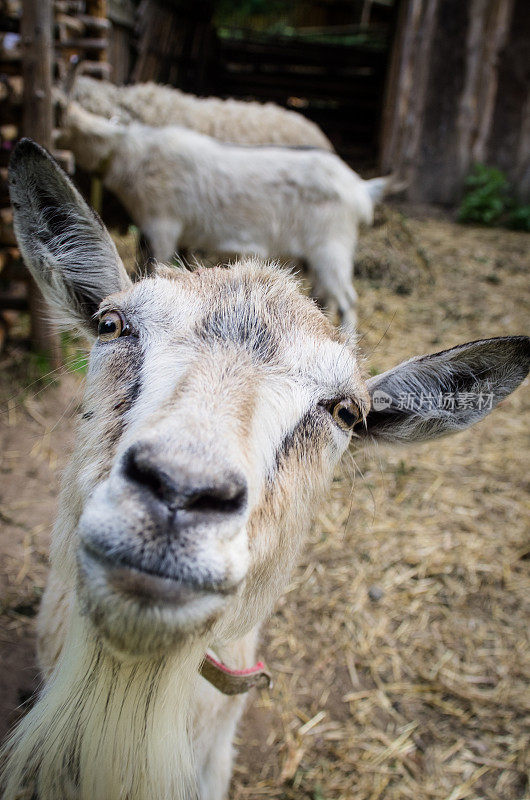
{"type": "Point", "coordinates": [144, 586]}
{"type": "Point", "coordinates": [137, 613]}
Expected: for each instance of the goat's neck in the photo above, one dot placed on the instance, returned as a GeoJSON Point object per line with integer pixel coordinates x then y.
{"type": "Point", "coordinates": [94, 138]}
{"type": "Point", "coordinates": [105, 728]}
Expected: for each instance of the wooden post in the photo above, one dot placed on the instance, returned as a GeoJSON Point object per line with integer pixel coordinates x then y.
{"type": "Point", "coordinates": [407, 86]}
{"type": "Point", "coordinates": [37, 122]}
{"type": "Point", "coordinates": [98, 9]}
{"type": "Point", "coordinates": [457, 92]}
{"type": "Point", "coordinates": [489, 25]}
{"type": "Point", "coordinates": [508, 145]}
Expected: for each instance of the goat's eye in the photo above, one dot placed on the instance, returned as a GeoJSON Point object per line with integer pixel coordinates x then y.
{"type": "Point", "coordinates": [112, 326]}
{"type": "Point", "coordinates": [346, 413]}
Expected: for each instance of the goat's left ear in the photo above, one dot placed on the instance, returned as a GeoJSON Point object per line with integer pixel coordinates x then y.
{"type": "Point", "coordinates": [63, 242]}
{"type": "Point", "coordinates": [435, 395]}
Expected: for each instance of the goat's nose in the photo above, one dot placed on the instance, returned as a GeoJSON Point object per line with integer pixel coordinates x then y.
{"type": "Point", "coordinates": [184, 488]}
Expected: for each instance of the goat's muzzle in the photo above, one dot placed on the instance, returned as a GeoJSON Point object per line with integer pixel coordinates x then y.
{"type": "Point", "coordinates": [162, 546]}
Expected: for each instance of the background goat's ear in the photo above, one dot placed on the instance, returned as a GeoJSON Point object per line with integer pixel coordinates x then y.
{"type": "Point", "coordinates": [63, 242]}
{"type": "Point", "coordinates": [444, 393]}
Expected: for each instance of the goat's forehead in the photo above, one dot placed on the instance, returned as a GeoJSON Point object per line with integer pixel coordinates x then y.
{"type": "Point", "coordinates": [263, 294]}
{"type": "Point", "coordinates": [259, 309]}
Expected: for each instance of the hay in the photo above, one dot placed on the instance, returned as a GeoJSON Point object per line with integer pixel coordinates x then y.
{"type": "Point", "coordinates": [422, 693]}
{"type": "Point", "coordinates": [400, 651]}
{"type": "Point", "coordinates": [390, 254]}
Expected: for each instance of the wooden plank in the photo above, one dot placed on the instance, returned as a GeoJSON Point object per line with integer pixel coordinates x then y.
{"type": "Point", "coordinates": [458, 93]}
{"type": "Point", "coordinates": [393, 90]}
{"type": "Point", "coordinates": [508, 144]}
{"type": "Point", "coordinates": [69, 6]}
{"type": "Point", "coordinates": [120, 54]}
{"type": "Point", "coordinates": [489, 23]}
{"type": "Point", "coordinates": [97, 69]}
{"type": "Point", "coordinates": [285, 86]}
{"type": "Point", "coordinates": [122, 13]}
{"type": "Point", "coordinates": [13, 302]}
{"type": "Point", "coordinates": [11, 89]}
{"type": "Point", "coordinates": [88, 45]}
{"type": "Point", "coordinates": [325, 56]}
{"type": "Point", "coordinates": [341, 86]}
{"type": "Point", "coordinates": [98, 10]}
{"type": "Point", "coordinates": [411, 70]}
{"type": "Point", "coordinates": [520, 174]}
{"type": "Point", "coordinates": [99, 23]}
{"type": "Point", "coordinates": [302, 72]}
{"type": "Point", "coordinates": [36, 34]}
{"type": "Point", "coordinates": [183, 37]}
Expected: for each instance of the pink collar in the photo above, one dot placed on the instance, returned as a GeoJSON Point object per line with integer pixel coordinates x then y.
{"type": "Point", "coordinates": [234, 681]}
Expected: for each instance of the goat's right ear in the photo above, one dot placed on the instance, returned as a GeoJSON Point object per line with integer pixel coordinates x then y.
{"type": "Point", "coordinates": [63, 242]}
{"type": "Point", "coordinates": [432, 396]}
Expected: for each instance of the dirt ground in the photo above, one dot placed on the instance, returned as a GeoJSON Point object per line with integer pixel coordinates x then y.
{"type": "Point", "coordinates": [400, 652]}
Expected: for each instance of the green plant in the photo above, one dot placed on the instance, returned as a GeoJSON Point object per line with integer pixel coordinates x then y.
{"type": "Point", "coordinates": [75, 357]}
{"type": "Point", "coordinates": [487, 196]}
{"type": "Point", "coordinates": [519, 218]}
{"type": "Point", "coordinates": [488, 200]}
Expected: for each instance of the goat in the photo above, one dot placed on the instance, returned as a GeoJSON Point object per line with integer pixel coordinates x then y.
{"type": "Point", "coordinates": [184, 189]}
{"type": "Point", "coordinates": [237, 121]}
{"type": "Point", "coordinates": [218, 403]}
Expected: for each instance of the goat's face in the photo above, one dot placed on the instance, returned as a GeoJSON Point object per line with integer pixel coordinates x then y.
{"type": "Point", "coordinates": [218, 403]}
{"type": "Point", "coordinates": [210, 424]}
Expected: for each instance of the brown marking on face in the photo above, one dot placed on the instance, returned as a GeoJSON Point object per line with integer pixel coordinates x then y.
{"type": "Point", "coordinates": [279, 295]}
{"type": "Point", "coordinates": [225, 384]}
{"type": "Point", "coordinates": [108, 400]}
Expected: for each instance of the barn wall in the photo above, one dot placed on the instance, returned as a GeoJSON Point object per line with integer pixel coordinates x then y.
{"type": "Point", "coordinates": [457, 93]}
{"type": "Point", "coordinates": [509, 142]}
{"type": "Point", "coordinates": [434, 173]}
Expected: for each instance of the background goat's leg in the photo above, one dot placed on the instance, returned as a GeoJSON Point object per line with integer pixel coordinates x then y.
{"type": "Point", "coordinates": [161, 237]}
{"type": "Point", "coordinates": [331, 270]}
{"type": "Point", "coordinates": [144, 254]}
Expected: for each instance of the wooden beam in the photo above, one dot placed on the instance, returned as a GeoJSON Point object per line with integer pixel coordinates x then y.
{"type": "Point", "coordinates": [98, 10]}
{"type": "Point", "coordinates": [406, 89]}
{"type": "Point", "coordinates": [37, 123]}
{"type": "Point", "coordinates": [489, 24]}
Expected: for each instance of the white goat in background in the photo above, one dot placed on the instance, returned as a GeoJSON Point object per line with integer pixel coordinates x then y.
{"type": "Point", "coordinates": [186, 190]}
{"type": "Point", "coordinates": [238, 121]}
{"type": "Point", "coordinates": [218, 404]}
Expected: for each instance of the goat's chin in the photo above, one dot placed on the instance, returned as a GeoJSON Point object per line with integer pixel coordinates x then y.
{"type": "Point", "coordinates": [140, 616]}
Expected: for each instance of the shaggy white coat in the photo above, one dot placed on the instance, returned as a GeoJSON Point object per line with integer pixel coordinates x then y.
{"type": "Point", "coordinates": [239, 121]}
{"type": "Point", "coordinates": [187, 190]}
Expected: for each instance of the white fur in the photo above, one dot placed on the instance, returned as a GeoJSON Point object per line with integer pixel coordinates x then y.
{"type": "Point", "coordinates": [186, 190]}
{"type": "Point", "coordinates": [241, 122]}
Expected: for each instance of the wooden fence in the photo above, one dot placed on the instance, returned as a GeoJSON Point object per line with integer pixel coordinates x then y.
{"type": "Point", "coordinates": [458, 92]}
{"type": "Point", "coordinates": [338, 86]}
{"type": "Point", "coordinates": [37, 39]}
{"type": "Point", "coordinates": [338, 82]}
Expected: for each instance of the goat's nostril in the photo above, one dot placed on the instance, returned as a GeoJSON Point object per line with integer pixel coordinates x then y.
{"type": "Point", "coordinates": [181, 489]}
{"type": "Point", "coordinates": [229, 498]}
{"type": "Point", "coordinates": [140, 470]}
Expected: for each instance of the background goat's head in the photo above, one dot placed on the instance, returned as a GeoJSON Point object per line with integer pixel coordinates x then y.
{"type": "Point", "coordinates": [217, 406]}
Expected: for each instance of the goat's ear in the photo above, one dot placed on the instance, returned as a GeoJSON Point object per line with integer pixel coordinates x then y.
{"type": "Point", "coordinates": [435, 395]}
{"type": "Point", "coordinates": [63, 242]}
